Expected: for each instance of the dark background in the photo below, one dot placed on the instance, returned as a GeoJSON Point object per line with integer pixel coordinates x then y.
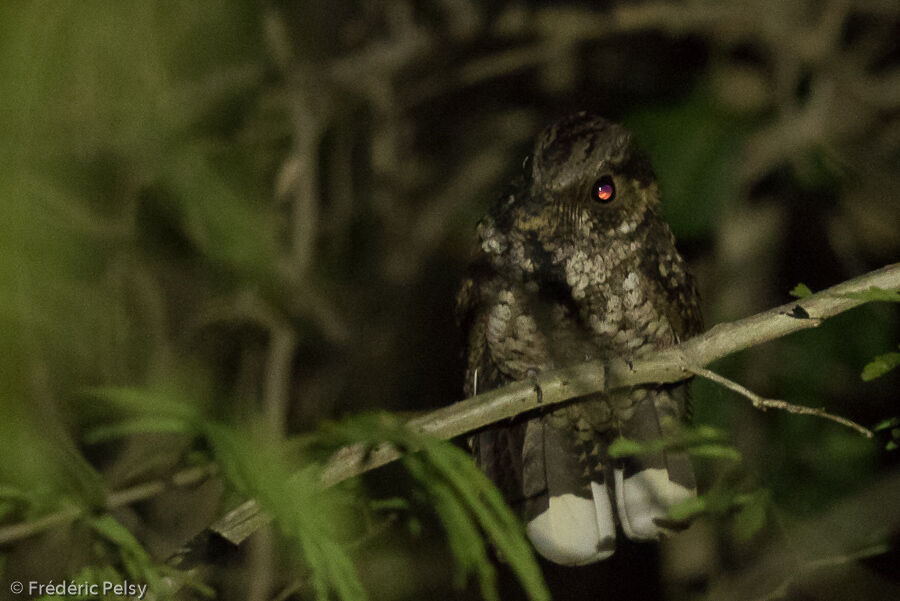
{"type": "Point", "coordinates": [264, 209]}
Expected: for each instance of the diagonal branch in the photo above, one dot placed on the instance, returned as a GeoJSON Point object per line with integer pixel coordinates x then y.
{"type": "Point", "coordinates": [551, 388]}
{"type": "Point", "coordinates": [554, 387]}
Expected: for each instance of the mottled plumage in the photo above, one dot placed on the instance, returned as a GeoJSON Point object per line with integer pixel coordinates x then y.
{"type": "Point", "coordinates": [575, 264]}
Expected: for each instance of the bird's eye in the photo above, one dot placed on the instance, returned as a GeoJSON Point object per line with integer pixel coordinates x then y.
{"type": "Point", "coordinates": [603, 190]}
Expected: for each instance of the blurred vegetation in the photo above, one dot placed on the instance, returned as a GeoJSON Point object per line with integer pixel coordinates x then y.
{"type": "Point", "coordinates": [225, 222]}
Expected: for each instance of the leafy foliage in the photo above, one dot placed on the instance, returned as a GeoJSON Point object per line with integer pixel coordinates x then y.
{"type": "Point", "coordinates": [304, 513]}
{"type": "Point", "coordinates": [120, 557]}
{"type": "Point", "coordinates": [135, 559]}
{"type": "Point", "coordinates": [284, 479]}
{"type": "Point", "coordinates": [801, 290]}
{"type": "Point", "coordinates": [699, 441]}
{"type": "Point", "coordinates": [748, 510]}
{"type": "Point", "coordinates": [466, 501]}
{"type": "Point", "coordinates": [892, 424]}
{"type": "Point", "coordinates": [876, 294]}
{"type": "Point", "coordinates": [880, 365]}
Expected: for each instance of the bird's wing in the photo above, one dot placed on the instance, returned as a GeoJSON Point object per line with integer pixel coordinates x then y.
{"type": "Point", "coordinates": [535, 460]}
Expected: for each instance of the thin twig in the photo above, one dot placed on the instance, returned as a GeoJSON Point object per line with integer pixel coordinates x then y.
{"type": "Point", "coordinates": [139, 492]}
{"type": "Point", "coordinates": [16, 532]}
{"type": "Point", "coordinates": [277, 382]}
{"type": "Point", "coordinates": [763, 403]}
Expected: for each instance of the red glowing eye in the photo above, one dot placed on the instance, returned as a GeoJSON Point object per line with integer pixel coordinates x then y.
{"type": "Point", "coordinates": [603, 190]}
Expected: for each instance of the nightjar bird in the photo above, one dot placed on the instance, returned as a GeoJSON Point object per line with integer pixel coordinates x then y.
{"type": "Point", "coordinates": [576, 264]}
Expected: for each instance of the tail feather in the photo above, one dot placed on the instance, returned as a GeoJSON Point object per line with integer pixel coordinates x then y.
{"type": "Point", "coordinates": [498, 452]}
{"type": "Point", "coordinates": [648, 485]}
{"type": "Point", "coordinates": [568, 509]}
{"type": "Point", "coordinates": [572, 493]}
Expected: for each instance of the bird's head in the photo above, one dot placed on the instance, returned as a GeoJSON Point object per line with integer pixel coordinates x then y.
{"type": "Point", "coordinates": [585, 169]}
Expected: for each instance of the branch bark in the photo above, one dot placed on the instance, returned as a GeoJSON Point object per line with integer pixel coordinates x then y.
{"type": "Point", "coordinates": [140, 492]}
{"type": "Point", "coordinates": [554, 387]}
{"type": "Point", "coordinates": [551, 388]}
{"type": "Point", "coordinates": [763, 403]}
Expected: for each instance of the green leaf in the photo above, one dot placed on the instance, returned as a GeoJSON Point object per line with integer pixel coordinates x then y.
{"type": "Point", "coordinates": [880, 365]}
{"type": "Point", "coordinates": [875, 294]}
{"type": "Point", "coordinates": [888, 423]}
{"type": "Point", "coordinates": [688, 508]}
{"type": "Point", "coordinates": [307, 515]}
{"type": "Point", "coordinates": [414, 525]}
{"type": "Point", "coordinates": [135, 559]}
{"type": "Point", "coordinates": [141, 425]}
{"type": "Point", "coordinates": [143, 401]}
{"type": "Point", "coordinates": [624, 447]}
{"type": "Point", "coordinates": [11, 492]}
{"type": "Point", "coordinates": [220, 218]}
{"type": "Point", "coordinates": [706, 432]}
{"type": "Point", "coordinates": [696, 436]}
{"type": "Point", "coordinates": [751, 518]}
{"type": "Point", "coordinates": [463, 536]}
{"type": "Point", "coordinates": [391, 504]}
{"type": "Point", "coordinates": [715, 451]}
{"type": "Point", "coordinates": [800, 291]}
{"type": "Point", "coordinates": [891, 445]}
{"type": "Point", "coordinates": [467, 502]}
{"type": "Point", "coordinates": [485, 503]}
{"type": "Point", "coordinates": [701, 441]}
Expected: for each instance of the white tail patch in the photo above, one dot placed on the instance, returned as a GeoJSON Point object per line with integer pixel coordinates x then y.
{"type": "Point", "coordinates": [574, 530]}
{"type": "Point", "coordinates": [645, 496]}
